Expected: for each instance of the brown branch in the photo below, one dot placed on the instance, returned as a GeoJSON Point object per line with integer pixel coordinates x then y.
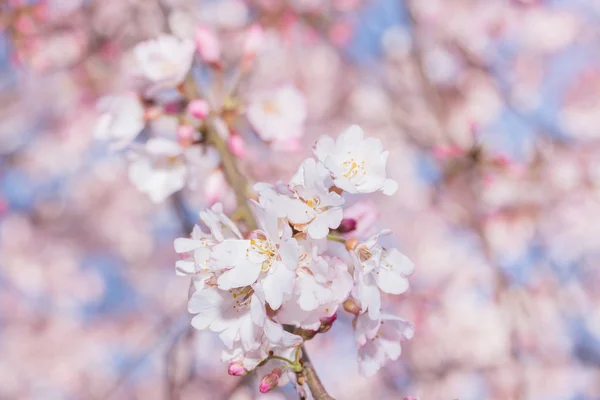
{"type": "Point", "coordinates": [234, 177]}
{"type": "Point", "coordinates": [312, 378]}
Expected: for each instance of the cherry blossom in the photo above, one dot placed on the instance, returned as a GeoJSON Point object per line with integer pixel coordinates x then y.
{"type": "Point", "coordinates": [272, 255]}
{"type": "Point", "coordinates": [278, 116]}
{"type": "Point", "coordinates": [357, 165]}
{"type": "Point", "coordinates": [313, 208]}
{"type": "Point", "coordinates": [375, 269]}
{"type": "Point", "coordinates": [158, 168]}
{"type": "Point", "coordinates": [380, 341]}
{"type": "Point", "coordinates": [121, 119]}
{"type": "Point", "coordinates": [162, 63]}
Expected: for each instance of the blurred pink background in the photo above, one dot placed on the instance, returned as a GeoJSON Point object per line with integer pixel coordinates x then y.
{"type": "Point", "coordinates": [490, 110]}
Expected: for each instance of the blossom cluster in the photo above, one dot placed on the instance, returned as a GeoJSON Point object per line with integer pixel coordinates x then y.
{"type": "Point", "coordinates": [161, 124]}
{"type": "Point", "coordinates": [301, 265]}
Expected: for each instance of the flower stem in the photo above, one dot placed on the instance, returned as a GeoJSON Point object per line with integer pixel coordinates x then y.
{"type": "Point", "coordinates": [335, 238]}
{"type": "Point", "coordinates": [296, 367]}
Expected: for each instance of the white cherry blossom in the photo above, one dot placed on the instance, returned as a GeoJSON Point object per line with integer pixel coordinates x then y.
{"type": "Point", "coordinates": [237, 314]}
{"type": "Point", "coordinates": [279, 116]}
{"type": "Point", "coordinates": [158, 168]}
{"type": "Point", "coordinates": [356, 164]}
{"type": "Point", "coordinates": [322, 284]}
{"type": "Point", "coordinates": [381, 341]}
{"type": "Point", "coordinates": [312, 207]}
{"type": "Point", "coordinates": [271, 254]}
{"type": "Point", "coordinates": [162, 63]}
{"type": "Point", "coordinates": [121, 119]}
{"type": "Point", "coordinates": [375, 269]}
{"type": "Point", "coordinates": [199, 246]}
{"type": "Point", "coordinates": [274, 339]}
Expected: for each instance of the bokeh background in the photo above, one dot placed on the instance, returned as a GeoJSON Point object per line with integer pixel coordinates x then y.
{"type": "Point", "coordinates": [490, 110]}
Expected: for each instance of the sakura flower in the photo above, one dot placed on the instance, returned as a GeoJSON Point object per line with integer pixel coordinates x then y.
{"type": "Point", "coordinates": [158, 169]}
{"type": "Point", "coordinates": [199, 246]}
{"type": "Point", "coordinates": [238, 315]}
{"type": "Point", "coordinates": [270, 255]}
{"type": "Point", "coordinates": [279, 116]}
{"type": "Point", "coordinates": [357, 165]}
{"type": "Point", "coordinates": [322, 285]}
{"type": "Point", "coordinates": [162, 63]}
{"type": "Point", "coordinates": [313, 208]}
{"type": "Point", "coordinates": [121, 119]}
{"type": "Point", "coordinates": [382, 341]}
{"type": "Point", "coordinates": [275, 341]}
{"type": "Point", "coordinates": [376, 268]}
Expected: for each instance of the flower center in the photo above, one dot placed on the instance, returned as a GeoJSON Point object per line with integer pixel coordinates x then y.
{"type": "Point", "coordinates": [241, 297]}
{"type": "Point", "coordinates": [267, 249]}
{"type": "Point", "coordinates": [353, 168]}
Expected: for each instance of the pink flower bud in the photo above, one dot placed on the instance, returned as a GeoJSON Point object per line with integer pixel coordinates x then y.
{"type": "Point", "coordinates": [269, 381]}
{"type": "Point", "coordinates": [207, 44]}
{"type": "Point", "coordinates": [347, 225]}
{"type": "Point", "coordinates": [198, 108]}
{"type": "Point", "coordinates": [172, 108]}
{"type": "Point", "coordinates": [236, 369]}
{"type": "Point", "coordinates": [253, 43]}
{"type": "Point", "coordinates": [327, 323]}
{"type": "Point", "coordinates": [447, 152]}
{"type": "Point", "coordinates": [236, 145]}
{"type": "Point", "coordinates": [186, 135]}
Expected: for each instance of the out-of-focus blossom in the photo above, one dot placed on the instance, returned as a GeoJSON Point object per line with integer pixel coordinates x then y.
{"type": "Point", "coordinates": [158, 168]}
{"type": "Point", "coordinates": [121, 119]}
{"type": "Point", "coordinates": [207, 44]}
{"type": "Point", "coordinates": [279, 116]}
{"type": "Point", "coordinates": [162, 63]}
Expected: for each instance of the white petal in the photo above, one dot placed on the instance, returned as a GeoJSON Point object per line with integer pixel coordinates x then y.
{"type": "Point", "coordinates": [184, 267]}
{"type": "Point", "coordinates": [390, 281]}
{"type": "Point", "coordinates": [183, 245]}
{"type": "Point", "coordinates": [278, 285]}
{"type": "Point", "coordinates": [243, 274]}
{"type": "Point", "coordinates": [389, 187]}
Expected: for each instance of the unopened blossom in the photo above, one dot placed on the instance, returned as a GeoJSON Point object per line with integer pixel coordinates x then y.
{"type": "Point", "coordinates": [312, 208]}
{"type": "Point", "coordinates": [207, 44]}
{"type": "Point", "coordinates": [382, 341]}
{"type": "Point", "coordinates": [253, 42]}
{"type": "Point", "coordinates": [121, 119]}
{"type": "Point", "coordinates": [158, 168]}
{"type": "Point", "coordinates": [271, 254]}
{"type": "Point", "coordinates": [269, 381]}
{"type": "Point", "coordinates": [236, 368]}
{"type": "Point", "coordinates": [198, 108]}
{"type": "Point", "coordinates": [278, 116]}
{"type": "Point", "coordinates": [356, 164]}
{"type": "Point", "coordinates": [162, 63]}
{"type": "Point", "coordinates": [375, 269]}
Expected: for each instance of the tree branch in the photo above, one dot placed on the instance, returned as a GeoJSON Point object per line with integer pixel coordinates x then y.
{"type": "Point", "coordinates": [312, 378]}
